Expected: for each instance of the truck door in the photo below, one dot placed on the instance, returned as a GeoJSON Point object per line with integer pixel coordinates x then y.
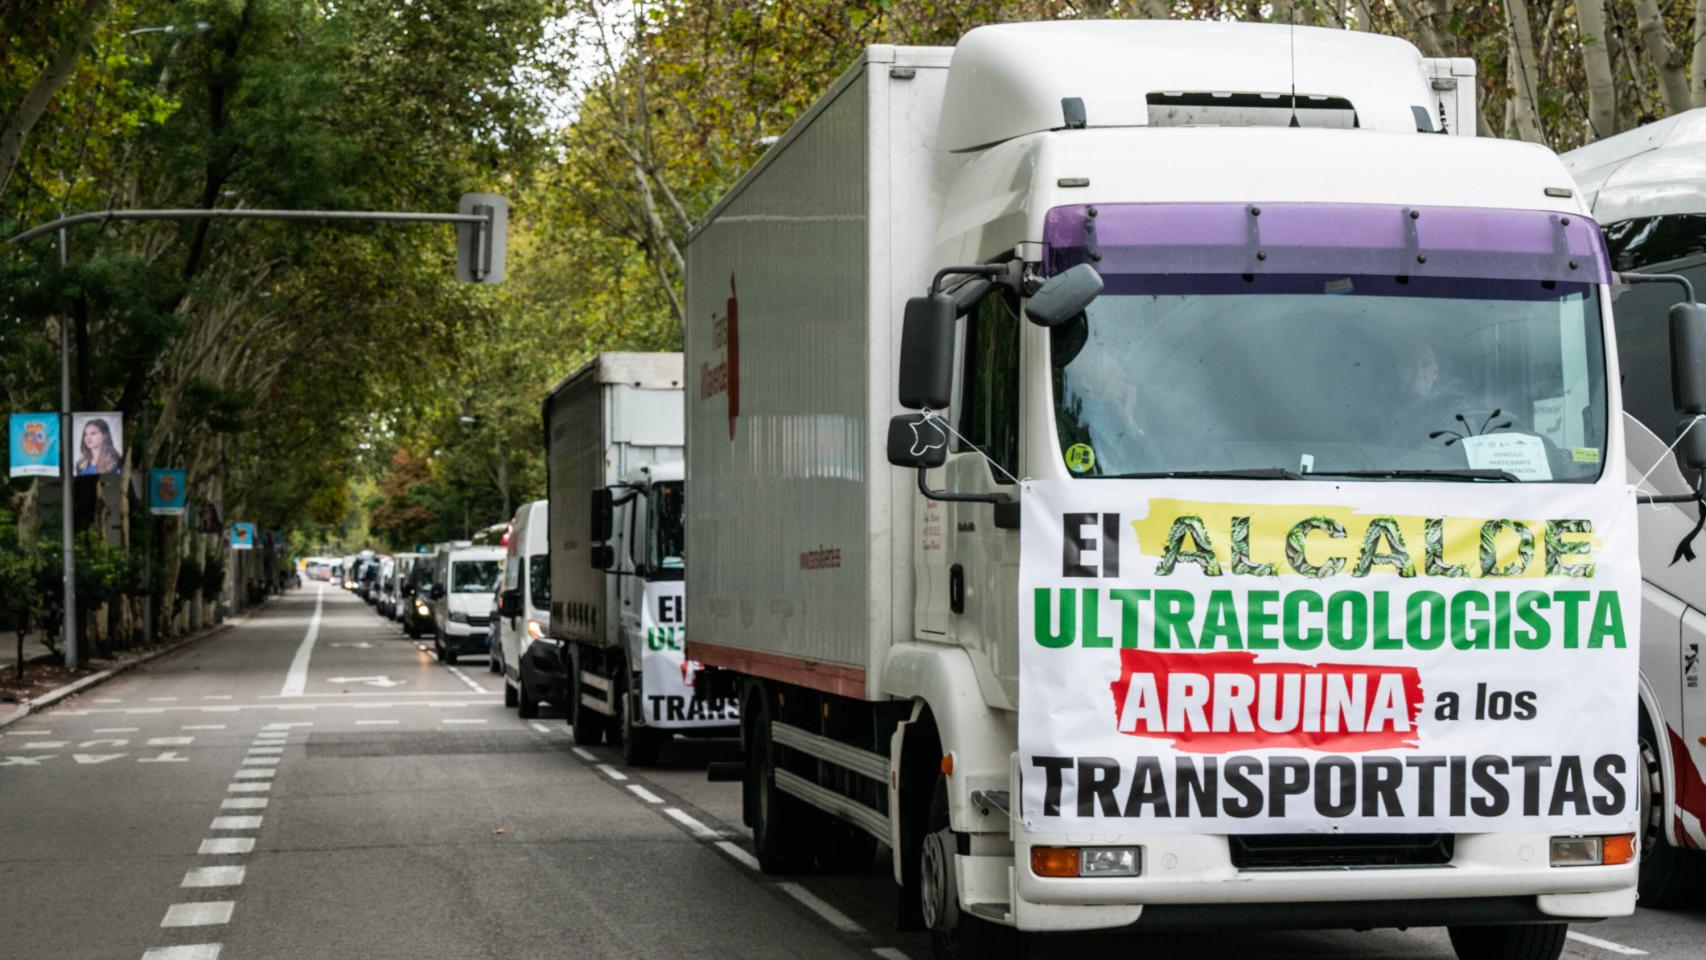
{"type": "Point", "coordinates": [631, 585]}
{"type": "Point", "coordinates": [982, 540]}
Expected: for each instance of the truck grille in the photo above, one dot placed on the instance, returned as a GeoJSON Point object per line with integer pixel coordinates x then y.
{"type": "Point", "coordinates": [479, 621]}
{"type": "Point", "coordinates": [1315, 851]}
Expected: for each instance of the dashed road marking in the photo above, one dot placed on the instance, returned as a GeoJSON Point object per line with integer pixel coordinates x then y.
{"type": "Point", "coordinates": [188, 951]}
{"type": "Point", "coordinates": [644, 794]}
{"type": "Point", "coordinates": [209, 914]}
{"type": "Point", "coordinates": [540, 727]}
{"type": "Point", "coordinates": [739, 853]}
{"type": "Point", "coordinates": [213, 877]}
{"type": "Point", "coordinates": [263, 750]}
{"type": "Point", "coordinates": [686, 820]}
{"type": "Point", "coordinates": [585, 754]}
{"type": "Point", "coordinates": [108, 700]}
{"type": "Point", "coordinates": [235, 823]}
{"type": "Point", "coordinates": [255, 773]}
{"type": "Point", "coordinates": [461, 720]}
{"type": "Point", "coordinates": [170, 741]}
{"type": "Point", "coordinates": [248, 787]}
{"type": "Point", "coordinates": [296, 680]}
{"type": "Point", "coordinates": [117, 729]}
{"type": "Point", "coordinates": [219, 846]}
{"type": "Point", "coordinates": [203, 726]}
{"type": "Point", "coordinates": [243, 803]}
{"type": "Point", "coordinates": [166, 756]}
{"type": "Point", "coordinates": [290, 725]}
{"type": "Point", "coordinates": [376, 723]}
{"type": "Point", "coordinates": [218, 709]}
{"type": "Point", "coordinates": [611, 772]}
{"type": "Point", "coordinates": [261, 761]}
{"type": "Point", "coordinates": [36, 733]}
{"type": "Point", "coordinates": [143, 710]}
{"type": "Point", "coordinates": [821, 907]}
{"type": "Point", "coordinates": [44, 744]}
{"type": "Point", "coordinates": [1605, 945]}
{"type": "Point", "coordinates": [217, 696]}
{"type": "Point", "coordinates": [162, 699]}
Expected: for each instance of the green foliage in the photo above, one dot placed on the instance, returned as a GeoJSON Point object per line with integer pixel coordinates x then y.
{"type": "Point", "coordinates": [212, 576]}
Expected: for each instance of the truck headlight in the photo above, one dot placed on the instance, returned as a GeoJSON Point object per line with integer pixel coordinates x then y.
{"type": "Point", "coordinates": [534, 630]}
{"type": "Point", "coordinates": [1618, 848]}
{"type": "Point", "coordinates": [1086, 861]}
{"type": "Point", "coordinates": [457, 616]}
{"type": "Point", "coordinates": [420, 608]}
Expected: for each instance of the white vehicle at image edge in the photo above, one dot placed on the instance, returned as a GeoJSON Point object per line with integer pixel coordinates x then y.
{"type": "Point", "coordinates": [529, 658]}
{"type": "Point", "coordinates": [1647, 189]}
{"type": "Point", "coordinates": [462, 582]}
{"type": "Point", "coordinates": [1263, 552]}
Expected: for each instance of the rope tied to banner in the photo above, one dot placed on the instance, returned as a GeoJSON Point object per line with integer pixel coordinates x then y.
{"type": "Point", "coordinates": [928, 415]}
{"type": "Point", "coordinates": [1685, 549]}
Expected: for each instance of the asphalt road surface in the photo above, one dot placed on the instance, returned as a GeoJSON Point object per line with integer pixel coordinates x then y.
{"type": "Point", "coordinates": [310, 784]}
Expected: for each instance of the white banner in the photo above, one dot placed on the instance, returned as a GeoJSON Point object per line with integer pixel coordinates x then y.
{"type": "Point", "coordinates": [1258, 657]}
{"type": "Point", "coordinates": [666, 675]}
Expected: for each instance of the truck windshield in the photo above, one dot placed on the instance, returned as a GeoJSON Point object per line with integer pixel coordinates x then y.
{"type": "Point", "coordinates": [1365, 376]}
{"type": "Point", "coordinates": [474, 576]}
{"type": "Point", "coordinates": [668, 534]}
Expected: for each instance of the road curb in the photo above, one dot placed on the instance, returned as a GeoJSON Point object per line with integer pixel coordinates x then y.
{"type": "Point", "coordinates": [48, 699]}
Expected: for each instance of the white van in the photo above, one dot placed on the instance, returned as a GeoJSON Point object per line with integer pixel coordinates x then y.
{"type": "Point", "coordinates": [532, 662]}
{"type": "Point", "coordinates": [462, 585]}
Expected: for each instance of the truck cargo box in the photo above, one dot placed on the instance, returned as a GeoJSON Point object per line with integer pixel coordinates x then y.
{"type": "Point", "coordinates": [617, 412]}
{"type": "Point", "coordinates": [799, 567]}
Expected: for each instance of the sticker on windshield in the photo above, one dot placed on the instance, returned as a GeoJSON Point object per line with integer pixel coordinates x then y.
{"type": "Point", "coordinates": [1080, 458]}
{"type": "Point", "coordinates": [1522, 455]}
{"type": "Point", "coordinates": [1585, 454]}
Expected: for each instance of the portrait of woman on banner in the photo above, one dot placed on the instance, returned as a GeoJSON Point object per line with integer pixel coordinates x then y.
{"type": "Point", "coordinates": [99, 449]}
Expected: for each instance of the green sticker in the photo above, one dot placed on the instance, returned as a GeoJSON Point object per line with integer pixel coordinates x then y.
{"type": "Point", "coordinates": [1080, 458]}
{"type": "Point", "coordinates": [1585, 454]}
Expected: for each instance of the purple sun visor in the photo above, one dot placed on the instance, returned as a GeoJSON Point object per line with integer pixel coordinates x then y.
{"type": "Point", "coordinates": [1326, 238]}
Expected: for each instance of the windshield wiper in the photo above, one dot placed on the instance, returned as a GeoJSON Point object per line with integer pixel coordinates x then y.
{"type": "Point", "coordinates": [1252, 473]}
{"type": "Point", "coordinates": [1464, 474]}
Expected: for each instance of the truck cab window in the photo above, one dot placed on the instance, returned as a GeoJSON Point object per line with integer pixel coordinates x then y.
{"type": "Point", "coordinates": [989, 395]}
{"type": "Point", "coordinates": [1643, 343]}
{"type": "Point", "coordinates": [668, 530]}
{"type": "Point", "coordinates": [637, 531]}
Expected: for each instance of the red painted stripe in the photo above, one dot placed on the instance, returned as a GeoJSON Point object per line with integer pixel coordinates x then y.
{"type": "Point", "coordinates": [843, 681]}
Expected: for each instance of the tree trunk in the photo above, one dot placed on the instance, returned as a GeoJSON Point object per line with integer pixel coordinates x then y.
{"type": "Point", "coordinates": [30, 107]}
{"type": "Point", "coordinates": [1698, 74]}
{"type": "Point", "coordinates": [1673, 81]}
{"type": "Point", "coordinates": [1596, 63]}
{"type": "Point", "coordinates": [1525, 79]}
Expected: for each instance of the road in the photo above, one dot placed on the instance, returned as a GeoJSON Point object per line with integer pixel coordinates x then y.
{"type": "Point", "coordinates": [310, 784]}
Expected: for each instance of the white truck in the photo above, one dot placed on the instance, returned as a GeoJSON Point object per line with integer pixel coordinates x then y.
{"type": "Point", "coordinates": [615, 498]}
{"type": "Point", "coordinates": [1647, 190]}
{"type": "Point", "coordinates": [1253, 556]}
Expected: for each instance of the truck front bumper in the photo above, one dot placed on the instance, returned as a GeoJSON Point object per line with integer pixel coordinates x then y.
{"type": "Point", "coordinates": [1189, 881]}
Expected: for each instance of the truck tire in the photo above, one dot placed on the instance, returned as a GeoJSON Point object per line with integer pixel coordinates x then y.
{"type": "Point", "coordinates": [527, 706]}
{"type": "Point", "coordinates": [1515, 941]}
{"type": "Point", "coordinates": [1669, 877]}
{"type": "Point", "coordinates": [959, 935]}
{"type": "Point", "coordinates": [511, 699]}
{"type": "Point", "coordinates": [639, 744]}
{"type": "Point", "coordinates": [778, 818]}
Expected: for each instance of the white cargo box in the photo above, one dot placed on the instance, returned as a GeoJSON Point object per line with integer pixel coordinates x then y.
{"type": "Point", "coordinates": [615, 414]}
{"type": "Point", "coordinates": [798, 531]}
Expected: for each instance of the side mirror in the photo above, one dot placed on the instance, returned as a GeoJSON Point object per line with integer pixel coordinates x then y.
{"type": "Point", "coordinates": [437, 591]}
{"type": "Point", "coordinates": [408, 589]}
{"type": "Point", "coordinates": [509, 603]}
{"type": "Point", "coordinates": [1064, 296]}
{"type": "Point", "coordinates": [1688, 360]}
{"type": "Point", "coordinates": [603, 515]}
{"type": "Point", "coordinates": [603, 556]}
{"type": "Point", "coordinates": [927, 352]}
{"type": "Point", "coordinates": [916, 442]}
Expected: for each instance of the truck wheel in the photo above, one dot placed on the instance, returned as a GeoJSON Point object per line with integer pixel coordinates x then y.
{"type": "Point", "coordinates": [410, 629]}
{"type": "Point", "coordinates": [1669, 877]}
{"type": "Point", "coordinates": [1515, 941]}
{"type": "Point", "coordinates": [954, 934]}
{"type": "Point", "coordinates": [777, 816]}
{"type": "Point", "coordinates": [510, 697]}
{"type": "Point", "coordinates": [639, 744]}
{"type": "Point", "coordinates": [526, 706]}
{"type": "Point", "coordinates": [588, 723]}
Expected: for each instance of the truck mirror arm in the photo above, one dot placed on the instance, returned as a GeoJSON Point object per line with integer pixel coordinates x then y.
{"type": "Point", "coordinates": [1634, 278]}
{"type": "Point", "coordinates": [951, 497]}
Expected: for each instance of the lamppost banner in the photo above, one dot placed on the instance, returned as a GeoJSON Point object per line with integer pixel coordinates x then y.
{"type": "Point", "coordinates": [34, 444]}
{"type": "Point", "coordinates": [168, 493]}
{"type": "Point", "coordinates": [99, 443]}
{"type": "Point", "coordinates": [242, 536]}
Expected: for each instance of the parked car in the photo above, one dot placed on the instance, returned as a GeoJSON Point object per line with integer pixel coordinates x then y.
{"type": "Point", "coordinates": [462, 582]}
{"type": "Point", "coordinates": [533, 663]}
{"type": "Point", "coordinates": [418, 602]}
{"type": "Point", "coordinates": [385, 595]}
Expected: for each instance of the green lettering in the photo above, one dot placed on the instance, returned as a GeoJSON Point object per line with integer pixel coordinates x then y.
{"type": "Point", "coordinates": [1384, 530]}
{"type": "Point", "coordinates": [1607, 621]}
{"type": "Point", "coordinates": [1173, 612]}
{"type": "Point", "coordinates": [1469, 634]}
{"type": "Point", "coordinates": [1296, 547]}
{"type": "Point", "coordinates": [1221, 622]}
{"type": "Point", "coordinates": [1529, 603]}
{"type": "Point", "coordinates": [1043, 618]}
{"type": "Point", "coordinates": [1090, 615]}
{"type": "Point", "coordinates": [1296, 637]}
{"type": "Point", "coordinates": [1572, 601]}
{"type": "Point", "coordinates": [1128, 599]}
{"type": "Point", "coordinates": [1347, 620]}
{"type": "Point", "coordinates": [1201, 551]}
{"type": "Point", "coordinates": [1434, 616]}
{"type": "Point", "coordinates": [1258, 619]}
{"type": "Point", "coordinates": [1382, 622]}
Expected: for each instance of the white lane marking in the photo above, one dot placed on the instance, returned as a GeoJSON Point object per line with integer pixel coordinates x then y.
{"type": "Point", "coordinates": [42, 733]}
{"type": "Point", "coordinates": [699, 829]}
{"type": "Point", "coordinates": [235, 823]}
{"type": "Point", "coordinates": [248, 788]}
{"type": "Point", "coordinates": [644, 794]}
{"type": "Point", "coordinates": [108, 700]}
{"type": "Point", "coordinates": [262, 750]}
{"type": "Point", "coordinates": [217, 709]}
{"type": "Point", "coordinates": [740, 855]}
{"type": "Point", "coordinates": [887, 953]}
{"type": "Point", "coordinates": [611, 772]}
{"type": "Point", "coordinates": [209, 914]}
{"type": "Point", "coordinates": [20, 760]}
{"type": "Point", "coordinates": [1606, 945]}
{"type": "Point", "coordinates": [254, 773]}
{"type": "Point", "coordinates": [188, 951]}
{"type": "Point", "coordinates": [243, 803]}
{"type": "Point", "coordinates": [287, 726]}
{"type": "Point", "coordinates": [223, 845]}
{"type": "Point", "coordinates": [261, 761]}
{"type": "Point", "coordinates": [117, 729]}
{"type": "Point", "coordinates": [203, 726]}
{"type": "Point", "coordinates": [459, 720]}
{"type": "Point", "coordinates": [213, 877]}
{"type": "Point", "coordinates": [585, 754]}
{"type": "Point", "coordinates": [297, 706]}
{"type": "Point", "coordinates": [817, 905]}
{"type": "Point", "coordinates": [540, 727]}
{"type": "Point", "coordinates": [43, 744]}
{"type": "Point", "coordinates": [95, 758]}
{"type": "Point", "coordinates": [166, 756]}
{"type": "Point", "coordinates": [457, 672]}
{"type": "Point", "coordinates": [297, 679]}
{"type": "Point", "coordinates": [162, 699]}
{"type": "Point", "coordinates": [217, 696]}
{"type": "Point", "coordinates": [376, 723]}
{"type": "Point", "coordinates": [143, 710]}
{"type": "Point", "coordinates": [170, 741]}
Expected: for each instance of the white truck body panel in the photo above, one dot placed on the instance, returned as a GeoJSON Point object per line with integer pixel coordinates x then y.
{"type": "Point", "coordinates": [616, 413]}
{"type": "Point", "coordinates": [797, 524]}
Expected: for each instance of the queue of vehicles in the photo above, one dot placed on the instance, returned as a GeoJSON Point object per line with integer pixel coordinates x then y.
{"type": "Point", "coordinates": [1037, 537]}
